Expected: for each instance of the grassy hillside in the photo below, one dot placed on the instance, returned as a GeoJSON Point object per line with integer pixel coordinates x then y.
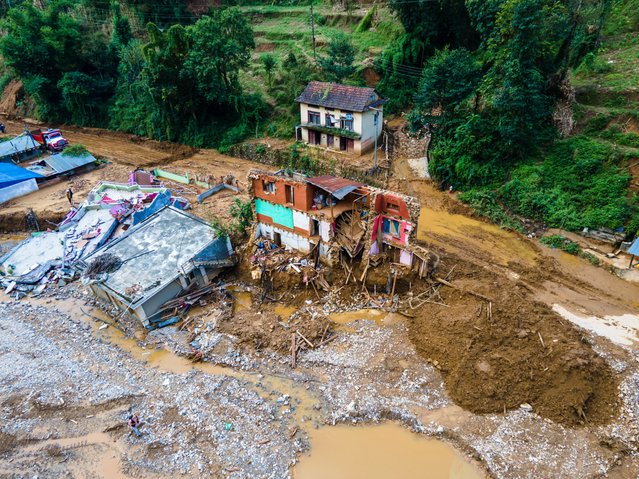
{"type": "Point", "coordinates": [590, 179]}
{"type": "Point", "coordinates": [282, 30]}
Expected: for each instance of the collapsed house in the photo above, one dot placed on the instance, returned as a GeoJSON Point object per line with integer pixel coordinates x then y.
{"type": "Point", "coordinates": [156, 261]}
{"type": "Point", "coordinates": [334, 218]}
{"type": "Point", "coordinates": [21, 148]}
{"type": "Point", "coordinates": [60, 164]}
{"type": "Point", "coordinates": [109, 211]}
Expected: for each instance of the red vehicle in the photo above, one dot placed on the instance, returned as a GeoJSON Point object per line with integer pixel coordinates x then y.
{"type": "Point", "coordinates": [52, 140]}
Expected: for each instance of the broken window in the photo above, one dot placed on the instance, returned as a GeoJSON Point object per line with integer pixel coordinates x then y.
{"type": "Point", "coordinates": [392, 206]}
{"type": "Point", "coordinates": [290, 194]}
{"type": "Point", "coordinates": [314, 117]}
{"type": "Point", "coordinates": [391, 227]}
{"type": "Point", "coordinates": [268, 186]}
{"type": "Point", "coordinates": [395, 229]}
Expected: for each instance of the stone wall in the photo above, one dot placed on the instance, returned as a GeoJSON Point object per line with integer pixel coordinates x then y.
{"type": "Point", "coordinates": [328, 163]}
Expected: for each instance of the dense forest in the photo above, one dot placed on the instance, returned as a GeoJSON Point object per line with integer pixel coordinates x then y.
{"type": "Point", "coordinates": [491, 80]}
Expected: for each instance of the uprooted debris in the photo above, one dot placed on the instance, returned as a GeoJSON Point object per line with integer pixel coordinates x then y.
{"type": "Point", "coordinates": [105, 263]}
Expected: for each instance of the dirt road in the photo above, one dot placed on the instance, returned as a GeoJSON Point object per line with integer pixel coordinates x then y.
{"type": "Point", "coordinates": [123, 153]}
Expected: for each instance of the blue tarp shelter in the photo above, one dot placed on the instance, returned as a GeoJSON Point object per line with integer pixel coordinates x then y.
{"type": "Point", "coordinates": [634, 248]}
{"type": "Point", "coordinates": [11, 174]}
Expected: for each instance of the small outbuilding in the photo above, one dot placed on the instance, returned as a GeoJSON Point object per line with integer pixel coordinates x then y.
{"type": "Point", "coordinates": [18, 149]}
{"type": "Point", "coordinates": [155, 261]}
{"type": "Point", "coordinates": [59, 164]}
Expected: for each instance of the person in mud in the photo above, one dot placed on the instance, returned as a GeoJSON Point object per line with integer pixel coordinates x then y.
{"type": "Point", "coordinates": [2, 128]}
{"type": "Point", "coordinates": [69, 194]}
{"type": "Point", "coordinates": [134, 422]}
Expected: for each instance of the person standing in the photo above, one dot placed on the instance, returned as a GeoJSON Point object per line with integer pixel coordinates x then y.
{"type": "Point", "coordinates": [69, 194]}
{"type": "Point", "coordinates": [134, 422]}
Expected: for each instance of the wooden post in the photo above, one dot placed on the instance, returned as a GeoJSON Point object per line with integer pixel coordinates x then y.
{"type": "Point", "coordinates": [394, 282]}
{"type": "Point", "coordinates": [293, 350]}
{"type": "Point", "coordinates": [632, 258]}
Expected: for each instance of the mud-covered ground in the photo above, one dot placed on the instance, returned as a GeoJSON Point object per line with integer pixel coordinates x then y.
{"type": "Point", "coordinates": [123, 153]}
{"type": "Point", "coordinates": [489, 366]}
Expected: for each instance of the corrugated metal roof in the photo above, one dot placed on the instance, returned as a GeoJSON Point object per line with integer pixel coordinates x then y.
{"type": "Point", "coordinates": [18, 145]}
{"type": "Point", "coordinates": [344, 97]}
{"type": "Point", "coordinates": [10, 174]}
{"type": "Point", "coordinates": [634, 248]}
{"type": "Point", "coordinates": [338, 187]}
{"type": "Point", "coordinates": [61, 163]}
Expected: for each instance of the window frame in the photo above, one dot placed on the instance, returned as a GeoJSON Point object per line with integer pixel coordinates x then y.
{"type": "Point", "coordinates": [314, 115]}
{"type": "Point", "coordinates": [268, 187]}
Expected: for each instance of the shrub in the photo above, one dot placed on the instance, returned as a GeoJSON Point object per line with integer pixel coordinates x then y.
{"type": "Point", "coordinates": [242, 215]}
{"type": "Point", "coordinates": [485, 203]}
{"type": "Point", "coordinates": [76, 150]}
{"type": "Point", "coordinates": [367, 21]}
{"type": "Point", "coordinates": [562, 243]}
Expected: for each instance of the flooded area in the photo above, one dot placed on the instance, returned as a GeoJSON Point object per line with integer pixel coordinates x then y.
{"type": "Point", "coordinates": [381, 452]}
{"type": "Point", "coordinates": [442, 227]}
{"type": "Point", "coordinates": [622, 329]}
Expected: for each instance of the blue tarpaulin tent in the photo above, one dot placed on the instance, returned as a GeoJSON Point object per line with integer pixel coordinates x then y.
{"type": "Point", "coordinates": [11, 174]}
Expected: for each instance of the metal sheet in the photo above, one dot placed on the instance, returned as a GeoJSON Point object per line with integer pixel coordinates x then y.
{"type": "Point", "coordinates": [61, 163]}
{"type": "Point", "coordinates": [338, 187]}
{"type": "Point", "coordinates": [18, 145]}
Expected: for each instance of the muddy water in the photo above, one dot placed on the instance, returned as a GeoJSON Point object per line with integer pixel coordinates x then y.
{"type": "Point", "coordinates": [100, 455]}
{"type": "Point", "coordinates": [381, 452]}
{"type": "Point", "coordinates": [460, 233]}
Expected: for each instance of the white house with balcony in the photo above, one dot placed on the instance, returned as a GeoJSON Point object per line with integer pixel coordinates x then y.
{"type": "Point", "coordinates": [340, 117]}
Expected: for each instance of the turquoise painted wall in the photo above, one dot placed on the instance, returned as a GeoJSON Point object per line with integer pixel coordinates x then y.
{"type": "Point", "coordinates": [278, 213]}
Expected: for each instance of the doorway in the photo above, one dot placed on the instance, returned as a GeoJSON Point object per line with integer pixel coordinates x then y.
{"type": "Point", "coordinates": [277, 238]}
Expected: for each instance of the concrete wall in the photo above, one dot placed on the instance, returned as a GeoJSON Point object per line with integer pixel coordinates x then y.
{"type": "Point", "coordinates": [289, 239]}
{"type": "Point", "coordinates": [368, 129]}
{"type": "Point", "coordinates": [19, 189]}
{"type": "Point", "coordinates": [170, 291]}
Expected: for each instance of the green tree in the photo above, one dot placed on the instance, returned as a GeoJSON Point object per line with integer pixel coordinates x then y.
{"type": "Point", "coordinates": [221, 46]}
{"type": "Point", "coordinates": [269, 63]}
{"type": "Point", "coordinates": [449, 79]}
{"type": "Point", "coordinates": [338, 63]}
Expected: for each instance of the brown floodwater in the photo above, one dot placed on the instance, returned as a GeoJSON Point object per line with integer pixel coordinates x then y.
{"type": "Point", "coordinates": [381, 452]}
{"type": "Point", "coordinates": [100, 455]}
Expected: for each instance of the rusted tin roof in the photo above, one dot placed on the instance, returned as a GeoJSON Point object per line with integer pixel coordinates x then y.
{"type": "Point", "coordinates": [338, 187]}
{"type": "Point", "coordinates": [344, 97]}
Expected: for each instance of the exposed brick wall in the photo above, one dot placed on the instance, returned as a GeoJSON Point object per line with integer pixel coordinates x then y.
{"type": "Point", "coordinates": [303, 195]}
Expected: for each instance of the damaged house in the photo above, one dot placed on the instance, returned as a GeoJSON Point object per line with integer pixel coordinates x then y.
{"type": "Point", "coordinates": [340, 117]}
{"type": "Point", "coordinates": [329, 217]}
{"type": "Point", "coordinates": [155, 261]}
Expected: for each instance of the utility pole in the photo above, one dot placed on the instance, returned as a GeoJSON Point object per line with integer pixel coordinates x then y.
{"type": "Point", "coordinates": [375, 153]}
{"type": "Point", "coordinates": [313, 31]}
